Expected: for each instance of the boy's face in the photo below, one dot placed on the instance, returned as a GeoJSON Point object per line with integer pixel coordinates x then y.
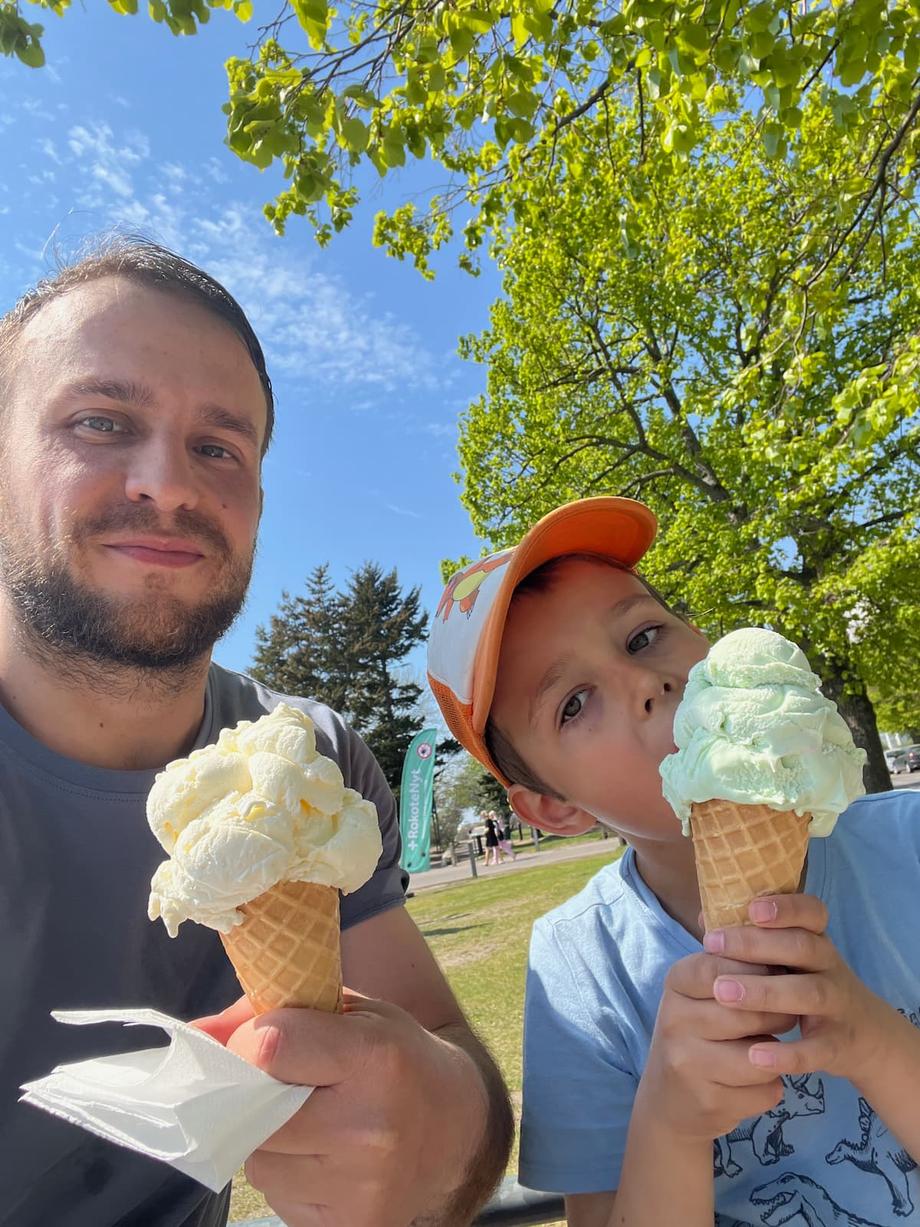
{"type": "Point", "coordinates": [590, 674]}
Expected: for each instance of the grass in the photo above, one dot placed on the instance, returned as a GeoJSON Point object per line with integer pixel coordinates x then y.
{"type": "Point", "coordinates": [480, 931]}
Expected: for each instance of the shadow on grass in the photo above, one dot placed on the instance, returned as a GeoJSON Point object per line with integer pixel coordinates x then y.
{"type": "Point", "coordinates": [444, 932]}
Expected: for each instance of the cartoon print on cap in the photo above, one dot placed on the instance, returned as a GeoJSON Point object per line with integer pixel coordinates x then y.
{"type": "Point", "coordinates": [463, 588]}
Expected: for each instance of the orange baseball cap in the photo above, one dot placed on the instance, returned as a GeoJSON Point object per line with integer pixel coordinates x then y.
{"type": "Point", "coordinates": [466, 633]}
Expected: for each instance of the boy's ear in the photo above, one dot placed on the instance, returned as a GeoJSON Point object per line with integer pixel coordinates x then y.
{"type": "Point", "coordinates": [549, 813]}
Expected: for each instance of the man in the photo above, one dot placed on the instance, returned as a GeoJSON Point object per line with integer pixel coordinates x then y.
{"type": "Point", "coordinates": [134, 415]}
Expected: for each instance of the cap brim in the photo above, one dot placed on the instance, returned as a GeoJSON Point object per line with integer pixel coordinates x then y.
{"type": "Point", "coordinates": [616, 528]}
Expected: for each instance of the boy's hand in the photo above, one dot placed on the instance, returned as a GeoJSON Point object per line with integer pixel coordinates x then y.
{"type": "Point", "coordinates": [840, 1019]}
{"type": "Point", "coordinates": [699, 1081]}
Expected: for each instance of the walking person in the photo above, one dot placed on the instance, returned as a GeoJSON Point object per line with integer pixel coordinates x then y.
{"type": "Point", "coordinates": [493, 850]}
{"type": "Point", "coordinates": [503, 830]}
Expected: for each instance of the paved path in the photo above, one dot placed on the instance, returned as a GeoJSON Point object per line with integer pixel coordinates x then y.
{"type": "Point", "coordinates": [526, 858]}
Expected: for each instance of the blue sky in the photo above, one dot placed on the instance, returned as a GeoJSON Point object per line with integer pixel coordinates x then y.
{"type": "Point", "coordinates": [124, 126]}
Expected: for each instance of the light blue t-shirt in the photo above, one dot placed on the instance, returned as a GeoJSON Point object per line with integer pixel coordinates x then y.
{"type": "Point", "coordinates": [597, 968]}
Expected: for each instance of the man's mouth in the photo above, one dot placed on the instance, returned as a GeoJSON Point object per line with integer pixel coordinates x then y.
{"type": "Point", "coordinates": [174, 552]}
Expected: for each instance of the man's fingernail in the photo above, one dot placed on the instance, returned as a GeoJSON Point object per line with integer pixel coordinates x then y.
{"type": "Point", "coordinates": [270, 1038]}
{"type": "Point", "coordinates": [729, 990]}
{"type": "Point", "coordinates": [762, 909]}
{"type": "Point", "coordinates": [714, 941]}
{"type": "Point", "coordinates": [762, 1057]}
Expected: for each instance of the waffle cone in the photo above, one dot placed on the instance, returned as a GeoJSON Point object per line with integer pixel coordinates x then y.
{"type": "Point", "coordinates": [743, 851]}
{"type": "Point", "coordinates": [286, 950]}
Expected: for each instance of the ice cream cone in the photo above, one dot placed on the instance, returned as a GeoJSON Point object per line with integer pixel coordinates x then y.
{"type": "Point", "coordinates": [743, 851]}
{"type": "Point", "coordinates": [286, 951]}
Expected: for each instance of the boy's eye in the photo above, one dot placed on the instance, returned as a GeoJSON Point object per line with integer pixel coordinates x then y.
{"type": "Point", "coordinates": [645, 638]}
{"type": "Point", "coordinates": [573, 707]}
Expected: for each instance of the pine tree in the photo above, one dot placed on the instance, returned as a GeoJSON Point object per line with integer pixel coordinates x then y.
{"type": "Point", "coordinates": [347, 650]}
{"type": "Point", "coordinates": [381, 626]}
{"type": "Point", "coordinates": [301, 653]}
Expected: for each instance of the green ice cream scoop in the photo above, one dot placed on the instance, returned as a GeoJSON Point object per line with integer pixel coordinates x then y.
{"type": "Point", "coordinates": [754, 728]}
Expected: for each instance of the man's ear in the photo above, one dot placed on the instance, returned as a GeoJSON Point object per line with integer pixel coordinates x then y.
{"type": "Point", "coordinates": [549, 813]}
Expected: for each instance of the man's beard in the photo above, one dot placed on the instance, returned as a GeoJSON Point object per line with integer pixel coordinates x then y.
{"type": "Point", "coordinates": [154, 632]}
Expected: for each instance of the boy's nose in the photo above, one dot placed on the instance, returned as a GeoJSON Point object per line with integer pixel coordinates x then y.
{"type": "Point", "coordinates": [664, 688]}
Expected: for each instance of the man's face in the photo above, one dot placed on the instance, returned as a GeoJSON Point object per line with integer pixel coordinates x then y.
{"type": "Point", "coordinates": [591, 672]}
{"type": "Point", "coordinates": [129, 475]}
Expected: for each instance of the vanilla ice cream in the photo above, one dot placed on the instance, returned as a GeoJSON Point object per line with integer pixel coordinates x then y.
{"type": "Point", "coordinates": [259, 807]}
{"type": "Point", "coordinates": [753, 728]}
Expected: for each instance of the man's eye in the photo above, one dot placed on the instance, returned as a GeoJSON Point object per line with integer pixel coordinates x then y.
{"type": "Point", "coordinates": [573, 707]}
{"type": "Point", "coordinates": [214, 451]}
{"type": "Point", "coordinates": [644, 639]}
{"type": "Point", "coordinates": [102, 425]}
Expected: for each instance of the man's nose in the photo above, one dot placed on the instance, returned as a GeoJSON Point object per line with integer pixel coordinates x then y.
{"type": "Point", "coordinates": [161, 473]}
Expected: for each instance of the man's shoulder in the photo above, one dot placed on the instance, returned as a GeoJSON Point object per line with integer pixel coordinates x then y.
{"type": "Point", "coordinates": [240, 697]}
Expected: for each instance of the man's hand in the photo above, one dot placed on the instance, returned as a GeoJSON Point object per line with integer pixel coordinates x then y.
{"type": "Point", "coordinates": [841, 1020]}
{"type": "Point", "coordinates": [698, 1079]}
{"type": "Point", "coordinates": [395, 1109]}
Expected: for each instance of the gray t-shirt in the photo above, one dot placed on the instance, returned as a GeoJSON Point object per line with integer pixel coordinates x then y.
{"type": "Point", "coordinates": [76, 857]}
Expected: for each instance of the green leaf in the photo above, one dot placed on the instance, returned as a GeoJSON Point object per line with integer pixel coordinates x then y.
{"type": "Point", "coordinates": [356, 134]}
{"type": "Point", "coordinates": [31, 54]}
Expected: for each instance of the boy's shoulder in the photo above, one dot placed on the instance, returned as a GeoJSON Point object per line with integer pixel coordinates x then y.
{"type": "Point", "coordinates": [899, 808]}
{"type": "Point", "coordinates": [604, 890]}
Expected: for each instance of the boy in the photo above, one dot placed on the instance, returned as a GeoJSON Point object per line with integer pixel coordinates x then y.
{"type": "Point", "coordinates": [655, 1091]}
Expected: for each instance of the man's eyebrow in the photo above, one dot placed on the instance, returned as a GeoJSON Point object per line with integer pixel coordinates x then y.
{"type": "Point", "coordinates": [224, 419]}
{"type": "Point", "coordinates": [557, 668]}
{"type": "Point", "coordinates": [128, 392]}
{"type": "Point", "coordinates": [124, 390]}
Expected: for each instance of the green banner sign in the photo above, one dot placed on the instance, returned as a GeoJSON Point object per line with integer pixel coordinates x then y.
{"type": "Point", "coordinates": [415, 797]}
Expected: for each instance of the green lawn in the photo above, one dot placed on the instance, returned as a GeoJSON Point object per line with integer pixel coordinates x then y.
{"type": "Point", "coordinates": [479, 931]}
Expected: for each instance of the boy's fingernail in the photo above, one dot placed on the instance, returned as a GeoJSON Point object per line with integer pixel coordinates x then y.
{"type": "Point", "coordinates": [728, 990]}
{"type": "Point", "coordinates": [762, 909]}
{"type": "Point", "coordinates": [714, 941]}
{"type": "Point", "coordinates": [762, 1057]}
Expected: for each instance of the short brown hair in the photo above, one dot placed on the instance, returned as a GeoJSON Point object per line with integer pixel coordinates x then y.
{"type": "Point", "coordinates": [148, 264]}
{"type": "Point", "coordinates": [501, 750]}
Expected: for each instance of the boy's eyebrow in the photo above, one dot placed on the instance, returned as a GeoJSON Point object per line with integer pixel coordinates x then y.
{"type": "Point", "coordinates": [557, 668]}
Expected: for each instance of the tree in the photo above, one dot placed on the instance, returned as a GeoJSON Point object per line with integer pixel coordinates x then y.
{"type": "Point", "coordinates": [346, 650]}
{"type": "Point", "coordinates": [464, 785]}
{"type": "Point", "coordinates": [381, 625]}
{"type": "Point", "coordinates": [301, 652]}
{"type": "Point", "coordinates": [676, 336]}
{"type": "Point", "coordinates": [488, 90]}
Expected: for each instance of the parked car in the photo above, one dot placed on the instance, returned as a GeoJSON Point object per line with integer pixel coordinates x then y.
{"type": "Point", "coordinates": [912, 758]}
{"type": "Point", "coordinates": [896, 760]}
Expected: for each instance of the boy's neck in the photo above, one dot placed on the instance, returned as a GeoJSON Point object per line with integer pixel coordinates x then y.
{"type": "Point", "coordinates": [669, 871]}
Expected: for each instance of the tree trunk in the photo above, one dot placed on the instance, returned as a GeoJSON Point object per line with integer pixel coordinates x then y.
{"type": "Point", "coordinates": [856, 708]}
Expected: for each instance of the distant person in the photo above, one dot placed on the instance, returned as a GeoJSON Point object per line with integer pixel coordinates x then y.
{"type": "Point", "coordinates": [493, 848]}
{"type": "Point", "coordinates": [503, 831]}
{"type": "Point", "coordinates": [136, 411]}
{"type": "Point", "coordinates": [654, 1091]}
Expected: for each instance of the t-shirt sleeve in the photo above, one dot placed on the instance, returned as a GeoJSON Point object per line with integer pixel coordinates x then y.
{"type": "Point", "coordinates": [386, 887]}
{"type": "Point", "coordinates": [578, 1087]}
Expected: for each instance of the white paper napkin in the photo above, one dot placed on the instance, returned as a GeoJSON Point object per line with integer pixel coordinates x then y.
{"type": "Point", "coordinates": [192, 1104]}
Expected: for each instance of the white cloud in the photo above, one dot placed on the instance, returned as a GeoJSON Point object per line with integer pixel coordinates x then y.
{"type": "Point", "coordinates": [47, 146]}
{"type": "Point", "coordinates": [404, 511]}
{"type": "Point", "coordinates": [313, 327]}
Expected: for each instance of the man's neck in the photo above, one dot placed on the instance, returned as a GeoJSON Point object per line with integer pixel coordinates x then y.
{"type": "Point", "coordinates": [114, 717]}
